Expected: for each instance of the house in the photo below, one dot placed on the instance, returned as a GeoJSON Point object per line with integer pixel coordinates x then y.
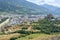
{"type": "Point", "coordinates": [58, 18]}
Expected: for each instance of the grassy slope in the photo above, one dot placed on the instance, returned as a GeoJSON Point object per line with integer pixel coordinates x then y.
{"type": "Point", "coordinates": [40, 37]}
{"type": "Point", "coordinates": [7, 37]}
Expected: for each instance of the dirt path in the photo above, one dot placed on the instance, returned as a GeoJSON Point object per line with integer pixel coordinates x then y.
{"type": "Point", "coordinates": [29, 28]}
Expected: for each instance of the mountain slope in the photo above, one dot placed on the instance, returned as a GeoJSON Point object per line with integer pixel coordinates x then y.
{"type": "Point", "coordinates": [53, 9]}
{"type": "Point", "coordinates": [20, 7]}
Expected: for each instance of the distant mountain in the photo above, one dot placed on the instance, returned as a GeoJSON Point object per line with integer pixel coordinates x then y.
{"type": "Point", "coordinates": [21, 7]}
{"type": "Point", "coordinates": [53, 9]}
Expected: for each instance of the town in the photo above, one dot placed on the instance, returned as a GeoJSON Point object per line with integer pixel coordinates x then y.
{"type": "Point", "coordinates": [19, 19]}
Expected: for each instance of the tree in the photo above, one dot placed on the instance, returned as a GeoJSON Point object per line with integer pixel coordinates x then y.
{"type": "Point", "coordinates": [49, 17]}
{"type": "Point", "coordinates": [47, 27]}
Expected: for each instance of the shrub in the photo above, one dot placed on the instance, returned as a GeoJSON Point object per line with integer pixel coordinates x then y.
{"type": "Point", "coordinates": [13, 38]}
{"type": "Point", "coordinates": [23, 32]}
{"type": "Point", "coordinates": [24, 27]}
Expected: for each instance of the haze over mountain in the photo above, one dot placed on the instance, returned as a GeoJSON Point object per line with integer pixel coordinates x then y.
{"type": "Point", "coordinates": [53, 9]}
{"type": "Point", "coordinates": [55, 3]}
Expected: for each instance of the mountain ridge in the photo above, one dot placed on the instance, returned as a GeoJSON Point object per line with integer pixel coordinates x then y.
{"type": "Point", "coordinates": [53, 9]}
{"type": "Point", "coordinates": [21, 7]}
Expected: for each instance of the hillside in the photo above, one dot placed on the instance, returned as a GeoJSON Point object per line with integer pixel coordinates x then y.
{"type": "Point", "coordinates": [21, 7]}
{"type": "Point", "coordinates": [53, 9]}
